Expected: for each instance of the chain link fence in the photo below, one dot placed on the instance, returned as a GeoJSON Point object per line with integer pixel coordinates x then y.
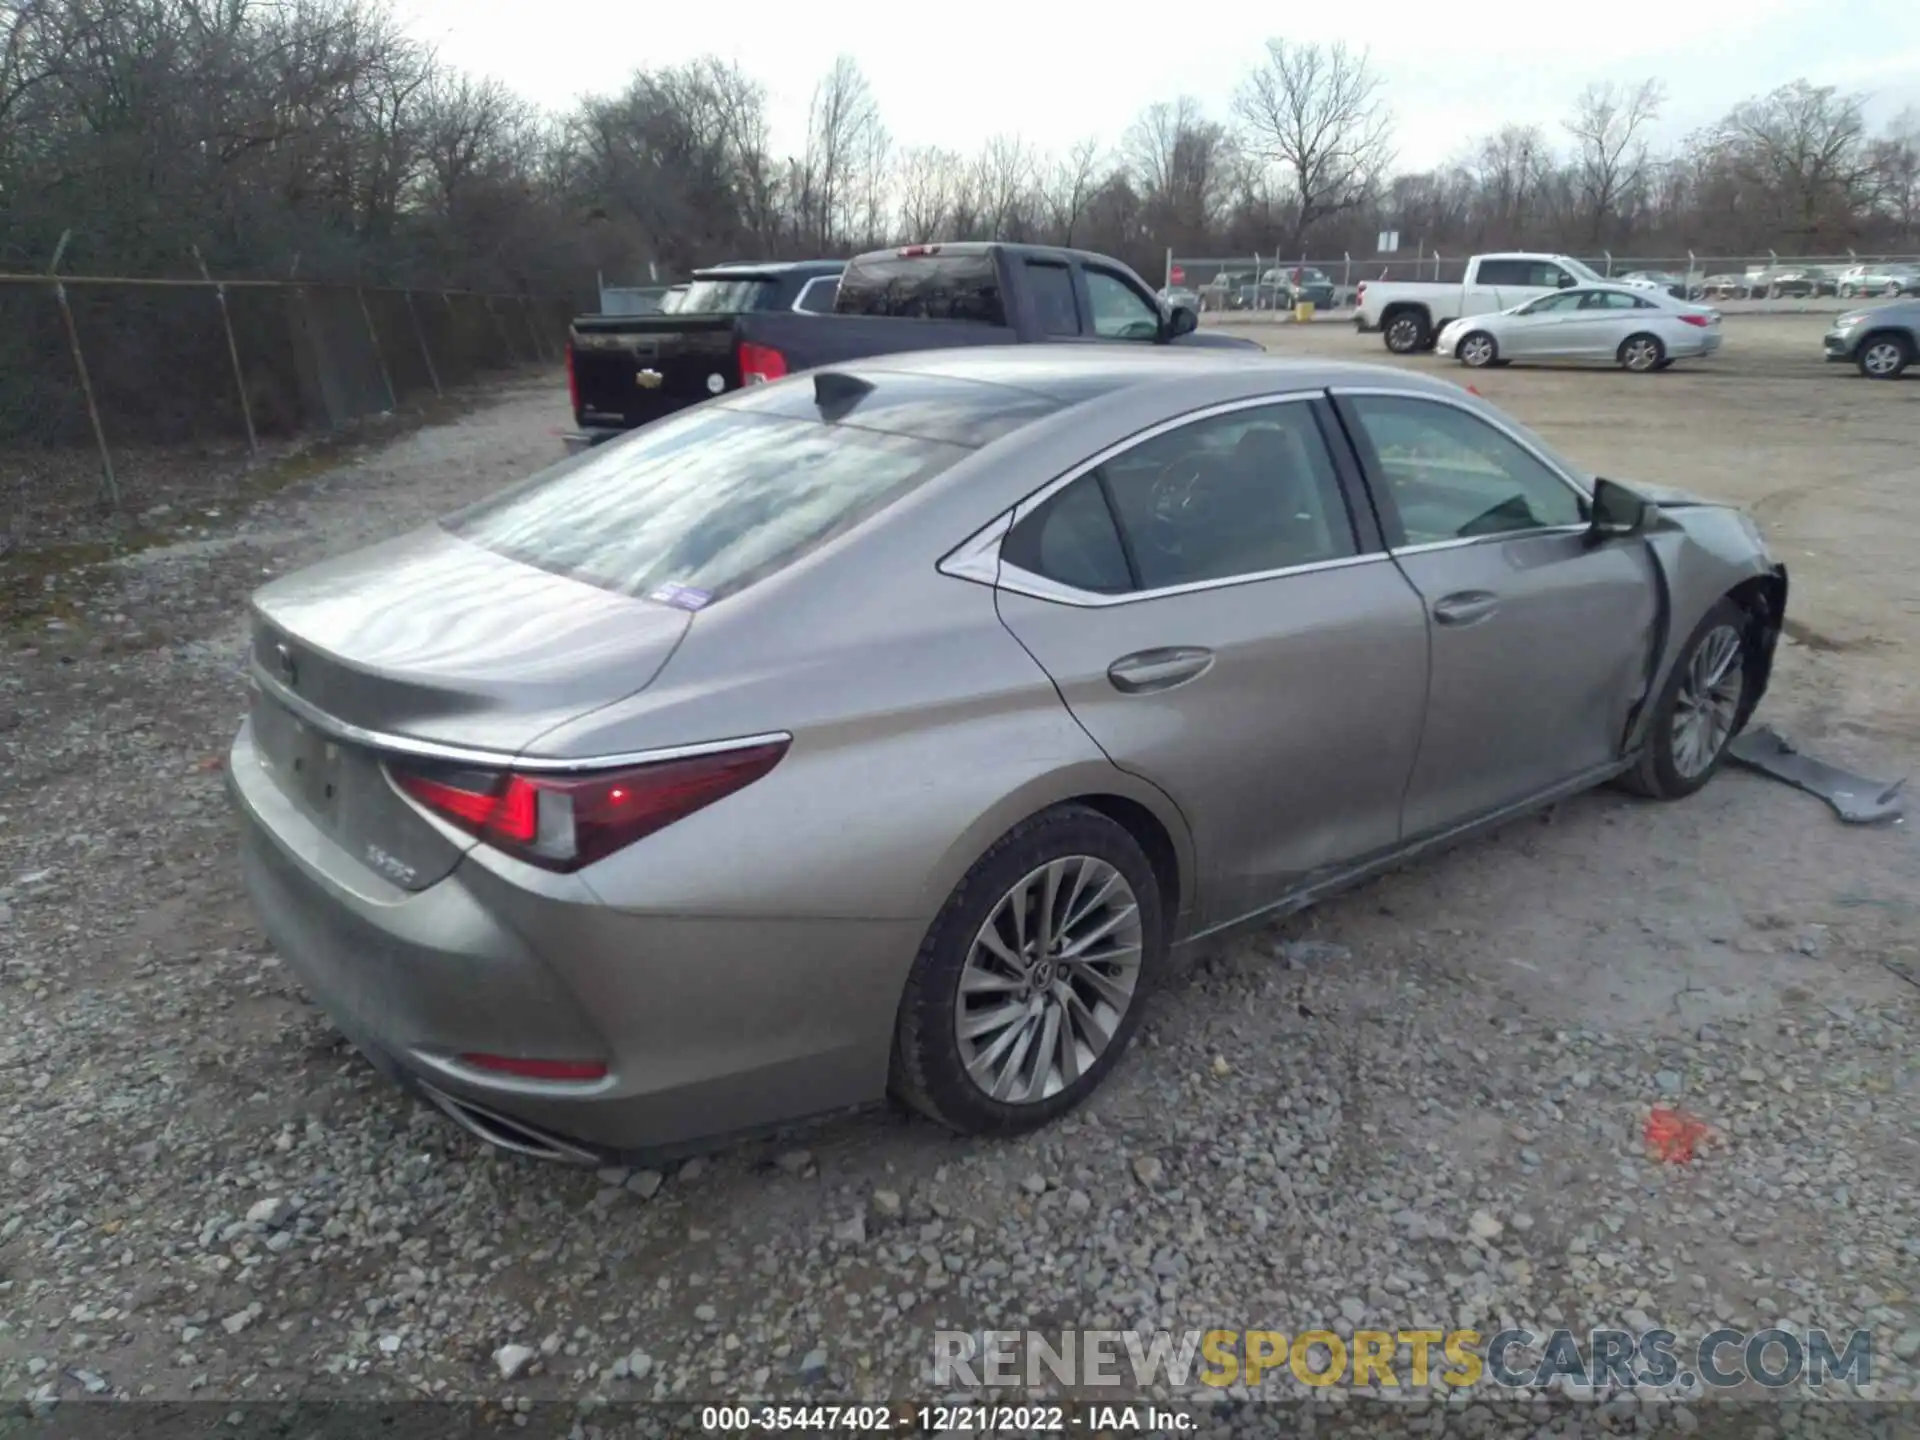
{"type": "Point", "coordinates": [1263, 282]}
{"type": "Point", "coordinates": [121, 369]}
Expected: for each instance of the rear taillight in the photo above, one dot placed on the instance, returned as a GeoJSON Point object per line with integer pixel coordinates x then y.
{"type": "Point", "coordinates": [760, 363]}
{"type": "Point", "coordinates": [563, 822]}
{"type": "Point", "coordinates": [572, 1072]}
{"type": "Point", "coordinates": [573, 384]}
{"type": "Point", "coordinates": [1702, 321]}
{"type": "Point", "coordinates": [1360, 291]}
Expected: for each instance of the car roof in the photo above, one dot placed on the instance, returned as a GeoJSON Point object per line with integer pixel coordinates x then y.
{"type": "Point", "coordinates": [1072, 374]}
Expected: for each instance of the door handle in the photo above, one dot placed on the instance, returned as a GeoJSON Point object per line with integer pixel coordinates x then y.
{"type": "Point", "coordinates": [1149, 670]}
{"type": "Point", "coordinates": [1464, 607]}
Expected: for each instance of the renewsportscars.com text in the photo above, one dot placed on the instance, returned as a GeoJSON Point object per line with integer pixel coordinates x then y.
{"type": "Point", "coordinates": [1393, 1359]}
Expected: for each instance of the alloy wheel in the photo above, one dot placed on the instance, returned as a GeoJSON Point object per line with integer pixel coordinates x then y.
{"type": "Point", "coordinates": [1708, 701]}
{"type": "Point", "coordinates": [1403, 335]}
{"type": "Point", "coordinates": [1641, 354]}
{"type": "Point", "coordinates": [1048, 979]}
{"type": "Point", "coordinates": [1476, 350]}
{"type": "Point", "coordinates": [1881, 358]}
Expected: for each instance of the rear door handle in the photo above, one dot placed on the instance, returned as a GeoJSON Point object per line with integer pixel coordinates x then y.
{"type": "Point", "coordinates": [1464, 607]}
{"type": "Point", "coordinates": [1149, 670]}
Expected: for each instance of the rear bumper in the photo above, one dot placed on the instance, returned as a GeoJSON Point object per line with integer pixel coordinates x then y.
{"type": "Point", "coordinates": [709, 1026]}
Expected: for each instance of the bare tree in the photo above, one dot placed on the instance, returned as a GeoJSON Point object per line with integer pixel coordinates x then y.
{"type": "Point", "coordinates": [1508, 170]}
{"type": "Point", "coordinates": [1178, 160]}
{"type": "Point", "coordinates": [1070, 186]}
{"type": "Point", "coordinates": [1608, 126]}
{"type": "Point", "coordinates": [1805, 148]}
{"type": "Point", "coordinates": [1004, 177]}
{"type": "Point", "coordinates": [840, 140]}
{"type": "Point", "coordinates": [928, 180]}
{"type": "Point", "coordinates": [1316, 111]}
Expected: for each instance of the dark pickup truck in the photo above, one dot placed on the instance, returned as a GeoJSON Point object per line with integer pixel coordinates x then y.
{"type": "Point", "coordinates": [753, 326]}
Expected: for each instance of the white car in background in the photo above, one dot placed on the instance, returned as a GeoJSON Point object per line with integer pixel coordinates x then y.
{"type": "Point", "coordinates": [1636, 329]}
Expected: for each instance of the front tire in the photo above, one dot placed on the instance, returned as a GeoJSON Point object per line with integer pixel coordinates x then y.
{"type": "Point", "coordinates": [1883, 357]}
{"type": "Point", "coordinates": [1641, 353]}
{"type": "Point", "coordinates": [1698, 710]}
{"type": "Point", "coordinates": [1477, 351]}
{"type": "Point", "coordinates": [1033, 977]}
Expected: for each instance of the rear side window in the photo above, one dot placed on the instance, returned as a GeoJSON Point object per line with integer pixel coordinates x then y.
{"type": "Point", "coordinates": [923, 287]}
{"type": "Point", "coordinates": [1071, 538]}
{"type": "Point", "coordinates": [727, 296]}
{"type": "Point", "coordinates": [709, 501]}
{"type": "Point", "coordinates": [1501, 272]}
{"type": "Point", "coordinates": [817, 297]}
{"type": "Point", "coordinates": [1054, 305]}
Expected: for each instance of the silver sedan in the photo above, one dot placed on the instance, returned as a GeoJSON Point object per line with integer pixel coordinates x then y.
{"type": "Point", "coordinates": [1629, 326]}
{"type": "Point", "coordinates": [887, 728]}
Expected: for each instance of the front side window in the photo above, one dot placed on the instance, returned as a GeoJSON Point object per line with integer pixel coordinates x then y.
{"type": "Point", "coordinates": [1452, 476]}
{"type": "Point", "coordinates": [711, 500]}
{"type": "Point", "coordinates": [1244, 493]}
{"type": "Point", "coordinates": [1551, 304]}
{"type": "Point", "coordinates": [1119, 311]}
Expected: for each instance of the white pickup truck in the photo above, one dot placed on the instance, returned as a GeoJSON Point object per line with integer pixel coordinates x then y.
{"type": "Point", "coordinates": [1410, 313]}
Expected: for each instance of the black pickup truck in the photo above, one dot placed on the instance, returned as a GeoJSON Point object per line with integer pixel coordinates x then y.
{"type": "Point", "coordinates": [754, 324]}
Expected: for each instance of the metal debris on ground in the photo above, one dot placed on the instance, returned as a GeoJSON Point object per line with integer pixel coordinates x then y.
{"type": "Point", "coordinates": [1855, 799]}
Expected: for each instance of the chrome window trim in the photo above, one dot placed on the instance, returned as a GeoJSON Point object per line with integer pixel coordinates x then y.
{"type": "Point", "coordinates": [1537, 532]}
{"type": "Point", "coordinates": [1039, 587]}
{"type": "Point", "coordinates": [406, 745]}
{"type": "Point", "coordinates": [977, 558]}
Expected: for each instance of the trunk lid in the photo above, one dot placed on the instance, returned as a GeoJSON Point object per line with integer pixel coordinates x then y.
{"type": "Point", "coordinates": [630, 370]}
{"type": "Point", "coordinates": [433, 642]}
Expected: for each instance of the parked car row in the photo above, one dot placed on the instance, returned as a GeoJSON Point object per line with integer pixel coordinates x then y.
{"type": "Point", "coordinates": [1788, 282]}
{"type": "Point", "coordinates": [1523, 306]}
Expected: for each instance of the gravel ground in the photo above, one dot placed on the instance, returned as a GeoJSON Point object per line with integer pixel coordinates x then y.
{"type": "Point", "coordinates": [1421, 1104]}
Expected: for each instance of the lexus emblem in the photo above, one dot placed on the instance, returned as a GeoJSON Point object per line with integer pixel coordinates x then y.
{"type": "Point", "coordinates": [289, 672]}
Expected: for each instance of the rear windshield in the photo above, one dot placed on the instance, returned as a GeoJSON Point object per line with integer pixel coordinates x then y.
{"type": "Point", "coordinates": [728, 297]}
{"type": "Point", "coordinates": [923, 287]}
{"type": "Point", "coordinates": [702, 504]}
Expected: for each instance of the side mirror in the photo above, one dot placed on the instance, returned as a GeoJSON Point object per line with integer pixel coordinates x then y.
{"type": "Point", "coordinates": [1181, 321]}
{"type": "Point", "coordinates": [1617, 512]}
{"type": "Point", "coordinates": [1566, 281]}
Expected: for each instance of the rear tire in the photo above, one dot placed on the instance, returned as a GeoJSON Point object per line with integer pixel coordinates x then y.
{"type": "Point", "coordinates": [1884, 356]}
{"type": "Point", "coordinates": [1641, 353]}
{"type": "Point", "coordinates": [1696, 713]}
{"type": "Point", "coordinates": [1045, 1061]}
{"type": "Point", "coordinates": [1406, 332]}
{"type": "Point", "coordinates": [1477, 350]}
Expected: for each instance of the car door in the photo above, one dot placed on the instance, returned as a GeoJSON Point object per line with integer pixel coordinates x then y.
{"type": "Point", "coordinates": [1226, 625]}
{"type": "Point", "coordinates": [1541, 639]}
{"type": "Point", "coordinates": [1537, 329]}
{"type": "Point", "coordinates": [1604, 319]}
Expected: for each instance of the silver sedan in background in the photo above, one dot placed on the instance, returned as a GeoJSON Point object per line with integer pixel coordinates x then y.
{"type": "Point", "coordinates": [887, 728]}
{"type": "Point", "coordinates": [1634, 328]}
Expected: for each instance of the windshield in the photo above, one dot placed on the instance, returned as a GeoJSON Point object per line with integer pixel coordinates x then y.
{"type": "Point", "coordinates": [1581, 272]}
{"type": "Point", "coordinates": [726, 297]}
{"type": "Point", "coordinates": [702, 503]}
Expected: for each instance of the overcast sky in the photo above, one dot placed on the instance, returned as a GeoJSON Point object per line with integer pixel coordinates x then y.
{"type": "Point", "coordinates": [955, 74]}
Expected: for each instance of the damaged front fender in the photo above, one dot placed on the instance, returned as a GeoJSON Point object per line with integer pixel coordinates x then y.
{"type": "Point", "coordinates": [1705, 553]}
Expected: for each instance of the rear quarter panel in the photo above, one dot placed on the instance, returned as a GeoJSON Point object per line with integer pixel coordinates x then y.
{"type": "Point", "coordinates": [922, 732]}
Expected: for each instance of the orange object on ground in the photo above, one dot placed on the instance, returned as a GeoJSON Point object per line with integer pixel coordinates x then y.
{"type": "Point", "coordinates": [1672, 1134]}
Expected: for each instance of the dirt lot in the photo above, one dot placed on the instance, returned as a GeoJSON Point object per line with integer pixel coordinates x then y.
{"type": "Point", "coordinates": [1430, 1114]}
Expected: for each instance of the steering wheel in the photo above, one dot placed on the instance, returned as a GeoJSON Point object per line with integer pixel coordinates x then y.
{"type": "Point", "coordinates": [1179, 501]}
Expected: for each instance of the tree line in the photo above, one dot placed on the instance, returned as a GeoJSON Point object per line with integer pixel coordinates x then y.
{"type": "Point", "coordinates": [316, 139]}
